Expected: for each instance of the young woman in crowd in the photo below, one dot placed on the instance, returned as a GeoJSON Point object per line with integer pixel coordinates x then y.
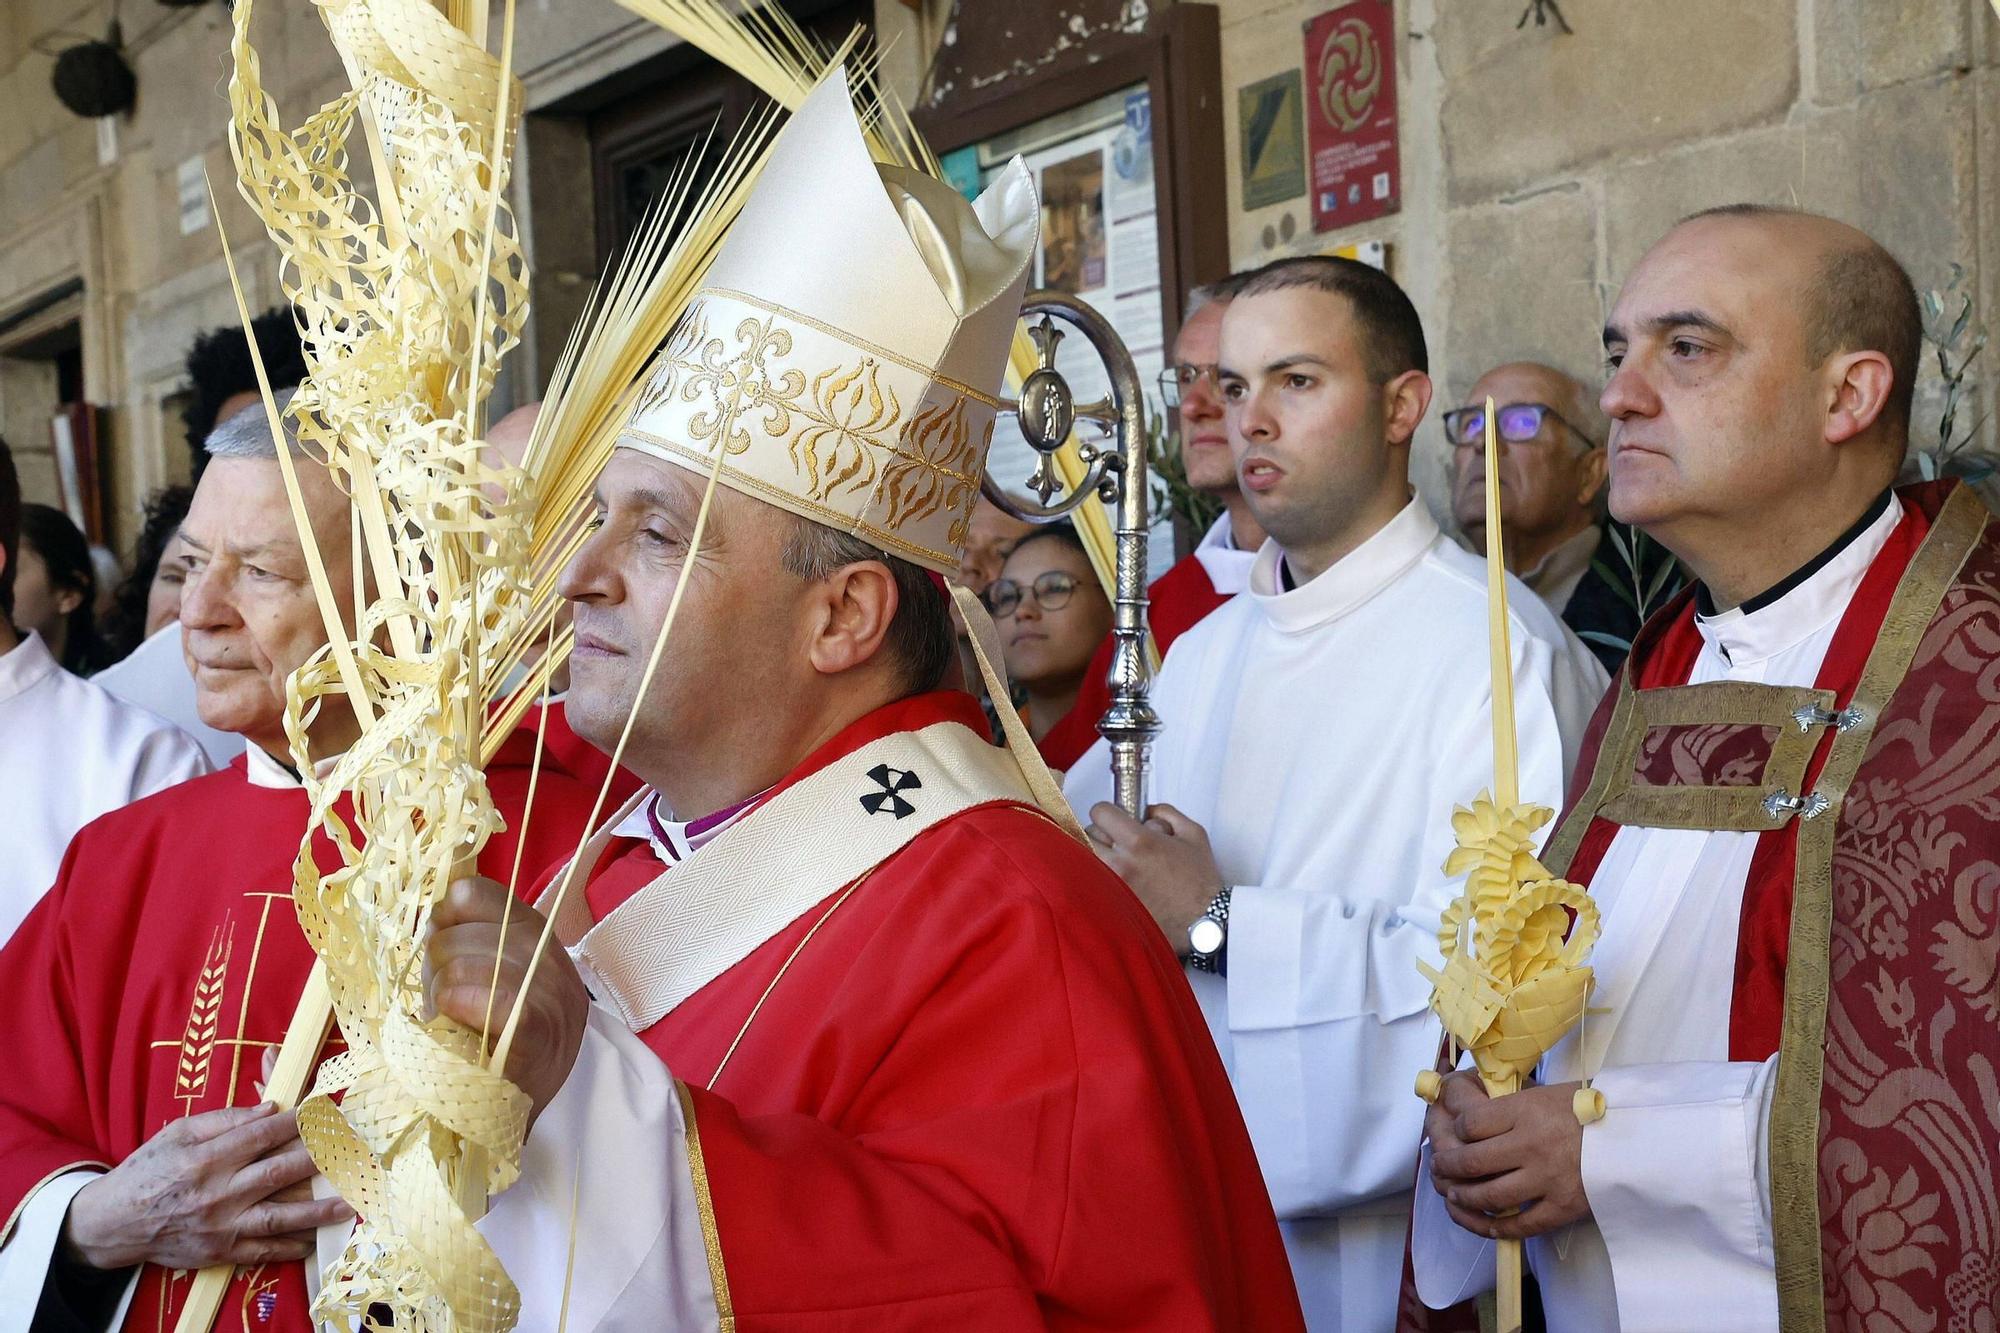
{"type": "Point", "coordinates": [1052, 614]}
{"type": "Point", "coordinates": [56, 588]}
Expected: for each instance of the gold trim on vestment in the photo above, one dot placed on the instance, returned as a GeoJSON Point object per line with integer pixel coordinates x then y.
{"type": "Point", "coordinates": [860, 344]}
{"type": "Point", "coordinates": [7, 1231]}
{"type": "Point", "coordinates": [704, 1202]}
{"type": "Point", "coordinates": [1615, 753]}
{"type": "Point", "coordinates": [1795, 1102]}
{"type": "Point", "coordinates": [1725, 703]}
{"type": "Point", "coordinates": [790, 958]}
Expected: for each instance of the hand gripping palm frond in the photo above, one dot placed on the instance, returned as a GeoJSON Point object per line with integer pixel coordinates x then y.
{"type": "Point", "coordinates": [406, 306]}
{"type": "Point", "coordinates": [1514, 978]}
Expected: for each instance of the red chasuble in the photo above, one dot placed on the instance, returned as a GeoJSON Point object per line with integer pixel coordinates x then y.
{"type": "Point", "coordinates": [1868, 950]}
{"type": "Point", "coordinates": [148, 982]}
{"type": "Point", "coordinates": [1177, 600]}
{"type": "Point", "coordinates": [973, 1093]}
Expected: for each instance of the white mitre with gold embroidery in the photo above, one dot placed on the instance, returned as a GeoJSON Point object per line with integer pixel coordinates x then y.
{"type": "Point", "coordinates": [847, 345]}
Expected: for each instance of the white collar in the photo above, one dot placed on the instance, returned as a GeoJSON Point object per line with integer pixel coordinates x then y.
{"type": "Point", "coordinates": [1226, 564]}
{"type": "Point", "coordinates": [263, 771]}
{"type": "Point", "coordinates": [1820, 599]}
{"type": "Point", "coordinates": [679, 844]}
{"type": "Point", "coordinates": [27, 666]}
{"type": "Point", "coordinates": [1352, 580]}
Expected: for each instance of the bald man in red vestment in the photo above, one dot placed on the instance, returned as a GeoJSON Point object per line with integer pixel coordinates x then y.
{"type": "Point", "coordinates": [1785, 811]}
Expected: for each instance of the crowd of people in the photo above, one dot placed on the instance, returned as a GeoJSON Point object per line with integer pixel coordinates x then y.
{"type": "Point", "coordinates": [997, 1081]}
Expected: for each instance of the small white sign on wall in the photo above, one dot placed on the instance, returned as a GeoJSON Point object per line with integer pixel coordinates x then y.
{"type": "Point", "coordinates": [192, 187]}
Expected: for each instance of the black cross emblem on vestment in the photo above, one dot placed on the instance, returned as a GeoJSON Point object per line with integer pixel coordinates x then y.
{"type": "Point", "coordinates": [894, 782]}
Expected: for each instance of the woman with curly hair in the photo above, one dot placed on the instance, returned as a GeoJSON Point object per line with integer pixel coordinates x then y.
{"type": "Point", "coordinates": [149, 598]}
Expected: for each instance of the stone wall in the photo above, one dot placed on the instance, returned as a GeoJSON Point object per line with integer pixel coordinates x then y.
{"type": "Point", "coordinates": [1539, 166]}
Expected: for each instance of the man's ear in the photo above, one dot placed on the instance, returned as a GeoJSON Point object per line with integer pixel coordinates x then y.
{"type": "Point", "coordinates": [1859, 385]}
{"type": "Point", "coordinates": [1405, 399]}
{"type": "Point", "coordinates": [852, 610]}
{"type": "Point", "coordinates": [1593, 470]}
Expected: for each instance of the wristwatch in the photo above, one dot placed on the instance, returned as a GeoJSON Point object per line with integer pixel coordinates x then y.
{"type": "Point", "coordinates": [1208, 937]}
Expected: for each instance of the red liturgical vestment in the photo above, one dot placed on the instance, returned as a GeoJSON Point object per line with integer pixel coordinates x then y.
{"type": "Point", "coordinates": [149, 981]}
{"type": "Point", "coordinates": [1868, 939]}
{"type": "Point", "coordinates": [966, 1088]}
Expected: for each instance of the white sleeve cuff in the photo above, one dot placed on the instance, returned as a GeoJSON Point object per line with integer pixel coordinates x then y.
{"type": "Point", "coordinates": [1317, 1012]}
{"type": "Point", "coordinates": [1674, 1173]}
{"type": "Point", "coordinates": [608, 1157]}
{"type": "Point", "coordinates": [25, 1258]}
{"type": "Point", "coordinates": [1451, 1264]}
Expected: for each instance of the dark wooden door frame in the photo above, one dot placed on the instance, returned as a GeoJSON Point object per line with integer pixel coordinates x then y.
{"type": "Point", "coordinates": [1178, 57]}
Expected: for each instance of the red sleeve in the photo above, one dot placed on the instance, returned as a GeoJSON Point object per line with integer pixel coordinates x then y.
{"type": "Point", "coordinates": [1018, 1154]}
{"type": "Point", "coordinates": [549, 830]}
{"type": "Point", "coordinates": [43, 1134]}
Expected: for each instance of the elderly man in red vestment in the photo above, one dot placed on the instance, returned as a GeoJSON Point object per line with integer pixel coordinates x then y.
{"type": "Point", "coordinates": [1219, 566]}
{"type": "Point", "coordinates": [138, 999]}
{"type": "Point", "coordinates": [1786, 814]}
{"type": "Point", "coordinates": [876, 1043]}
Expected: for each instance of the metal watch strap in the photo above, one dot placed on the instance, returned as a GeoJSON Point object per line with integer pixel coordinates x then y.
{"type": "Point", "coordinates": [1218, 908]}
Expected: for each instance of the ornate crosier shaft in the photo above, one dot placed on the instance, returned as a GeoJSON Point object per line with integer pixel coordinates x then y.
{"type": "Point", "coordinates": [1514, 979]}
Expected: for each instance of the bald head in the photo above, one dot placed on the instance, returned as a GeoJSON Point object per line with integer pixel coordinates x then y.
{"type": "Point", "coordinates": [511, 433]}
{"type": "Point", "coordinates": [1533, 382]}
{"type": "Point", "coordinates": [1853, 294]}
{"type": "Point", "coordinates": [1761, 370]}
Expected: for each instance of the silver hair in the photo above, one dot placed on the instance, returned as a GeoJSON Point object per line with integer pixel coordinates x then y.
{"type": "Point", "coordinates": [1222, 289]}
{"type": "Point", "coordinates": [248, 433]}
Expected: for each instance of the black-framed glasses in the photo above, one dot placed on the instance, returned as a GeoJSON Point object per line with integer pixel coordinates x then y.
{"type": "Point", "coordinates": [1516, 423]}
{"type": "Point", "coordinates": [1052, 592]}
{"type": "Point", "coordinates": [1177, 379]}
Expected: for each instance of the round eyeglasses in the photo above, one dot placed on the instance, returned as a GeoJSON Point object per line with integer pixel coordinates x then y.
{"type": "Point", "coordinates": [1176, 380]}
{"type": "Point", "coordinates": [1051, 591]}
{"type": "Point", "coordinates": [1516, 423]}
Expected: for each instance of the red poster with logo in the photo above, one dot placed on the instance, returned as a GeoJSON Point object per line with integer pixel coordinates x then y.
{"type": "Point", "coordinates": [1350, 78]}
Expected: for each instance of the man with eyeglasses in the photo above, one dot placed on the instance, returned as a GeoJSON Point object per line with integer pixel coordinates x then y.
{"type": "Point", "coordinates": [1318, 731]}
{"type": "Point", "coordinates": [1219, 566]}
{"type": "Point", "coordinates": [1599, 577]}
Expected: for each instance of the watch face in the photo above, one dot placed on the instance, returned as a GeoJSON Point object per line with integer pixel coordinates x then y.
{"type": "Point", "coordinates": [1205, 935]}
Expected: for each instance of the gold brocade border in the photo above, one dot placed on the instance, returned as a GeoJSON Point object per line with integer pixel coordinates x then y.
{"type": "Point", "coordinates": [842, 335]}
{"type": "Point", "coordinates": [1615, 754]}
{"type": "Point", "coordinates": [784, 499]}
{"type": "Point", "coordinates": [1795, 1103]}
{"type": "Point", "coordinates": [711, 1237]}
{"type": "Point", "coordinates": [1724, 702]}
{"type": "Point", "coordinates": [14, 1218]}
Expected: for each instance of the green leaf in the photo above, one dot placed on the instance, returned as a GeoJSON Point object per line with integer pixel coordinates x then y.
{"type": "Point", "coordinates": [1608, 640]}
{"type": "Point", "coordinates": [1619, 540]}
{"type": "Point", "coordinates": [1616, 583]}
{"type": "Point", "coordinates": [1663, 578]}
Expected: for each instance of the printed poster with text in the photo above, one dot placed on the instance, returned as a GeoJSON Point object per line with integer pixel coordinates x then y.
{"type": "Point", "coordinates": [1350, 75]}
